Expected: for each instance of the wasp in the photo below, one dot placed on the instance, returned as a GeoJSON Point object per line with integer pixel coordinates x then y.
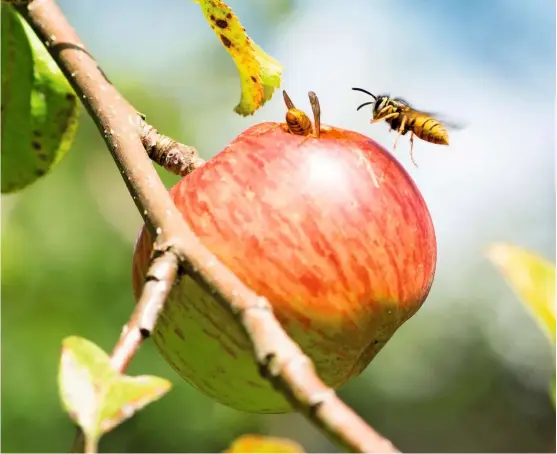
{"type": "Point", "coordinates": [403, 118]}
{"type": "Point", "coordinates": [297, 120]}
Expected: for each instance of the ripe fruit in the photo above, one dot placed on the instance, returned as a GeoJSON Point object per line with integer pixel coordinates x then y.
{"type": "Point", "coordinates": [331, 230]}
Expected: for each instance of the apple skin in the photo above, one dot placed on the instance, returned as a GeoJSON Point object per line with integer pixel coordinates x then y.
{"type": "Point", "coordinates": [343, 261]}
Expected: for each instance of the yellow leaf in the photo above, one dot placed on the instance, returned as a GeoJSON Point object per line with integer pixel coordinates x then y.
{"type": "Point", "coordinates": [258, 443]}
{"type": "Point", "coordinates": [533, 280]}
{"type": "Point", "coordinates": [260, 74]}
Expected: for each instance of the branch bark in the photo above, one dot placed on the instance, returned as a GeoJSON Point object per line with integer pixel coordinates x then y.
{"type": "Point", "coordinates": [123, 130]}
{"type": "Point", "coordinates": [175, 157]}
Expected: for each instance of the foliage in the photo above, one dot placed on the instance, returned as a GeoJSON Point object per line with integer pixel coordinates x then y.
{"type": "Point", "coordinates": [257, 443]}
{"type": "Point", "coordinates": [39, 107]}
{"type": "Point", "coordinates": [260, 74]}
{"type": "Point", "coordinates": [533, 280]}
{"type": "Point", "coordinates": [97, 397]}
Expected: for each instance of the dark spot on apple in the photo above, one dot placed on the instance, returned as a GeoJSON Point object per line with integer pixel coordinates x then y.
{"type": "Point", "coordinates": [253, 78]}
{"type": "Point", "coordinates": [229, 16]}
{"type": "Point", "coordinates": [172, 363]}
{"type": "Point", "coordinates": [40, 172]}
{"type": "Point", "coordinates": [221, 23]}
{"type": "Point", "coordinates": [212, 18]}
{"type": "Point", "coordinates": [253, 384]}
{"type": "Point", "coordinates": [229, 351]}
{"type": "Point", "coordinates": [70, 96]}
{"type": "Point", "coordinates": [36, 145]}
{"type": "Point", "coordinates": [36, 133]}
{"type": "Point", "coordinates": [225, 41]}
{"type": "Point", "coordinates": [179, 333]}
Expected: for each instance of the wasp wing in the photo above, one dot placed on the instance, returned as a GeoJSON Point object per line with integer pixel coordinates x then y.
{"type": "Point", "coordinates": [445, 120]}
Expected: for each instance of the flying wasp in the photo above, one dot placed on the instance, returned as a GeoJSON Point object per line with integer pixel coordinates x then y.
{"type": "Point", "coordinates": [403, 118]}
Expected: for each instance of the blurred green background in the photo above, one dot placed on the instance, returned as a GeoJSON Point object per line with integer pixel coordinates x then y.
{"type": "Point", "coordinates": [469, 373]}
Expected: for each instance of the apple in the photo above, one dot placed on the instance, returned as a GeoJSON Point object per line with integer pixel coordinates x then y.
{"type": "Point", "coordinates": [330, 229]}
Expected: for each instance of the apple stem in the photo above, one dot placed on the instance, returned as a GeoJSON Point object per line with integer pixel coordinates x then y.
{"type": "Point", "coordinates": [316, 108]}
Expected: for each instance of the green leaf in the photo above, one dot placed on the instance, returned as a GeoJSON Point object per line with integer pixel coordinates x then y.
{"type": "Point", "coordinates": [39, 108]}
{"type": "Point", "coordinates": [97, 397]}
{"type": "Point", "coordinates": [258, 443]}
{"type": "Point", "coordinates": [260, 74]}
{"type": "Point", "coordinates": [533, 280]}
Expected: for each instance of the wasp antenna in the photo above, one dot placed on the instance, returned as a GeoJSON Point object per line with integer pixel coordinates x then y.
{"type": "Point", "coordinates": [366, 92]}
{"type": "Point", "coordinates": [287, 100]}
{"type": "Point", "coordinates": [365, 104]}
{"type": "Point", "coordinates": [314, 101]}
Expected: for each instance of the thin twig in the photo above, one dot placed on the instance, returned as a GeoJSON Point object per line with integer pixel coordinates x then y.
{"type": "Point", "coordinates": [159, 280]}
{"type": "Point", "coordinates": [175, 157]}
{"type": "Point", "coordinates": [280, 358]}
{"type": "Point", "coordinates": [90, 446]}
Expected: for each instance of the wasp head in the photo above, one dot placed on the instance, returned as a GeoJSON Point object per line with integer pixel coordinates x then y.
{"type": "Point", "coordinates": [379, 102]}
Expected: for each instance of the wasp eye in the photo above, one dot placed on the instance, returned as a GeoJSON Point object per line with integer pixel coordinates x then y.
{"type": "Point", "coordinates": [380, 103]}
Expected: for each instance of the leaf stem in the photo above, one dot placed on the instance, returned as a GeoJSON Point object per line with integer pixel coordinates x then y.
{"type": "Point", "coordinates": [91, 445]}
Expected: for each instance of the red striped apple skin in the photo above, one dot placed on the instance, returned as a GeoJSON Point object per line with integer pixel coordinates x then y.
{"type": "Point", "coordinates": [332, 231]}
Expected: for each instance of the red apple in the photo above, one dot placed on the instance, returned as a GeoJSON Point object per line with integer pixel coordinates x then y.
{"type": "Point", "coordinates": [332, 231]}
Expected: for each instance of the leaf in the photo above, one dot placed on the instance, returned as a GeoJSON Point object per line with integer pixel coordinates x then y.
{"type": "Point", "coordinates": [97, 397]}
{"type": "Point", "coordinates": [532, 278]}
{"type": "Point", "coordinates": [39, 108]}
{"type": "Point", "coordinates": [260, 74]}
{"type": "Point", "coordinates": [258, 443]}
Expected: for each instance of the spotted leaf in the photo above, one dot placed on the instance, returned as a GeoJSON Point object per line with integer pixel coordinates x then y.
{"type": "Point", "coordinates": [260, 74]}
{"type": "Point", "coordinates": [39, 108]}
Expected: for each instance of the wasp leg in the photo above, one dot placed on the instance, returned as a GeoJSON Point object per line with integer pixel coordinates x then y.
{"type": "Point", "coordinates": [402, 124]}
{"type": "Point", "coordinates": [386, 117]}
{"type": "Point", "coordinates": [400, 131]}
{"type": "Point", "coordinates": [412, 150]}
{"type": "Point", "coordinates": [396, 142]}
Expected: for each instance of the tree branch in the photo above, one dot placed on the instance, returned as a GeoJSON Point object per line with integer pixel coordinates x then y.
{"type": "Point", "coordinates": [281, 360]}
